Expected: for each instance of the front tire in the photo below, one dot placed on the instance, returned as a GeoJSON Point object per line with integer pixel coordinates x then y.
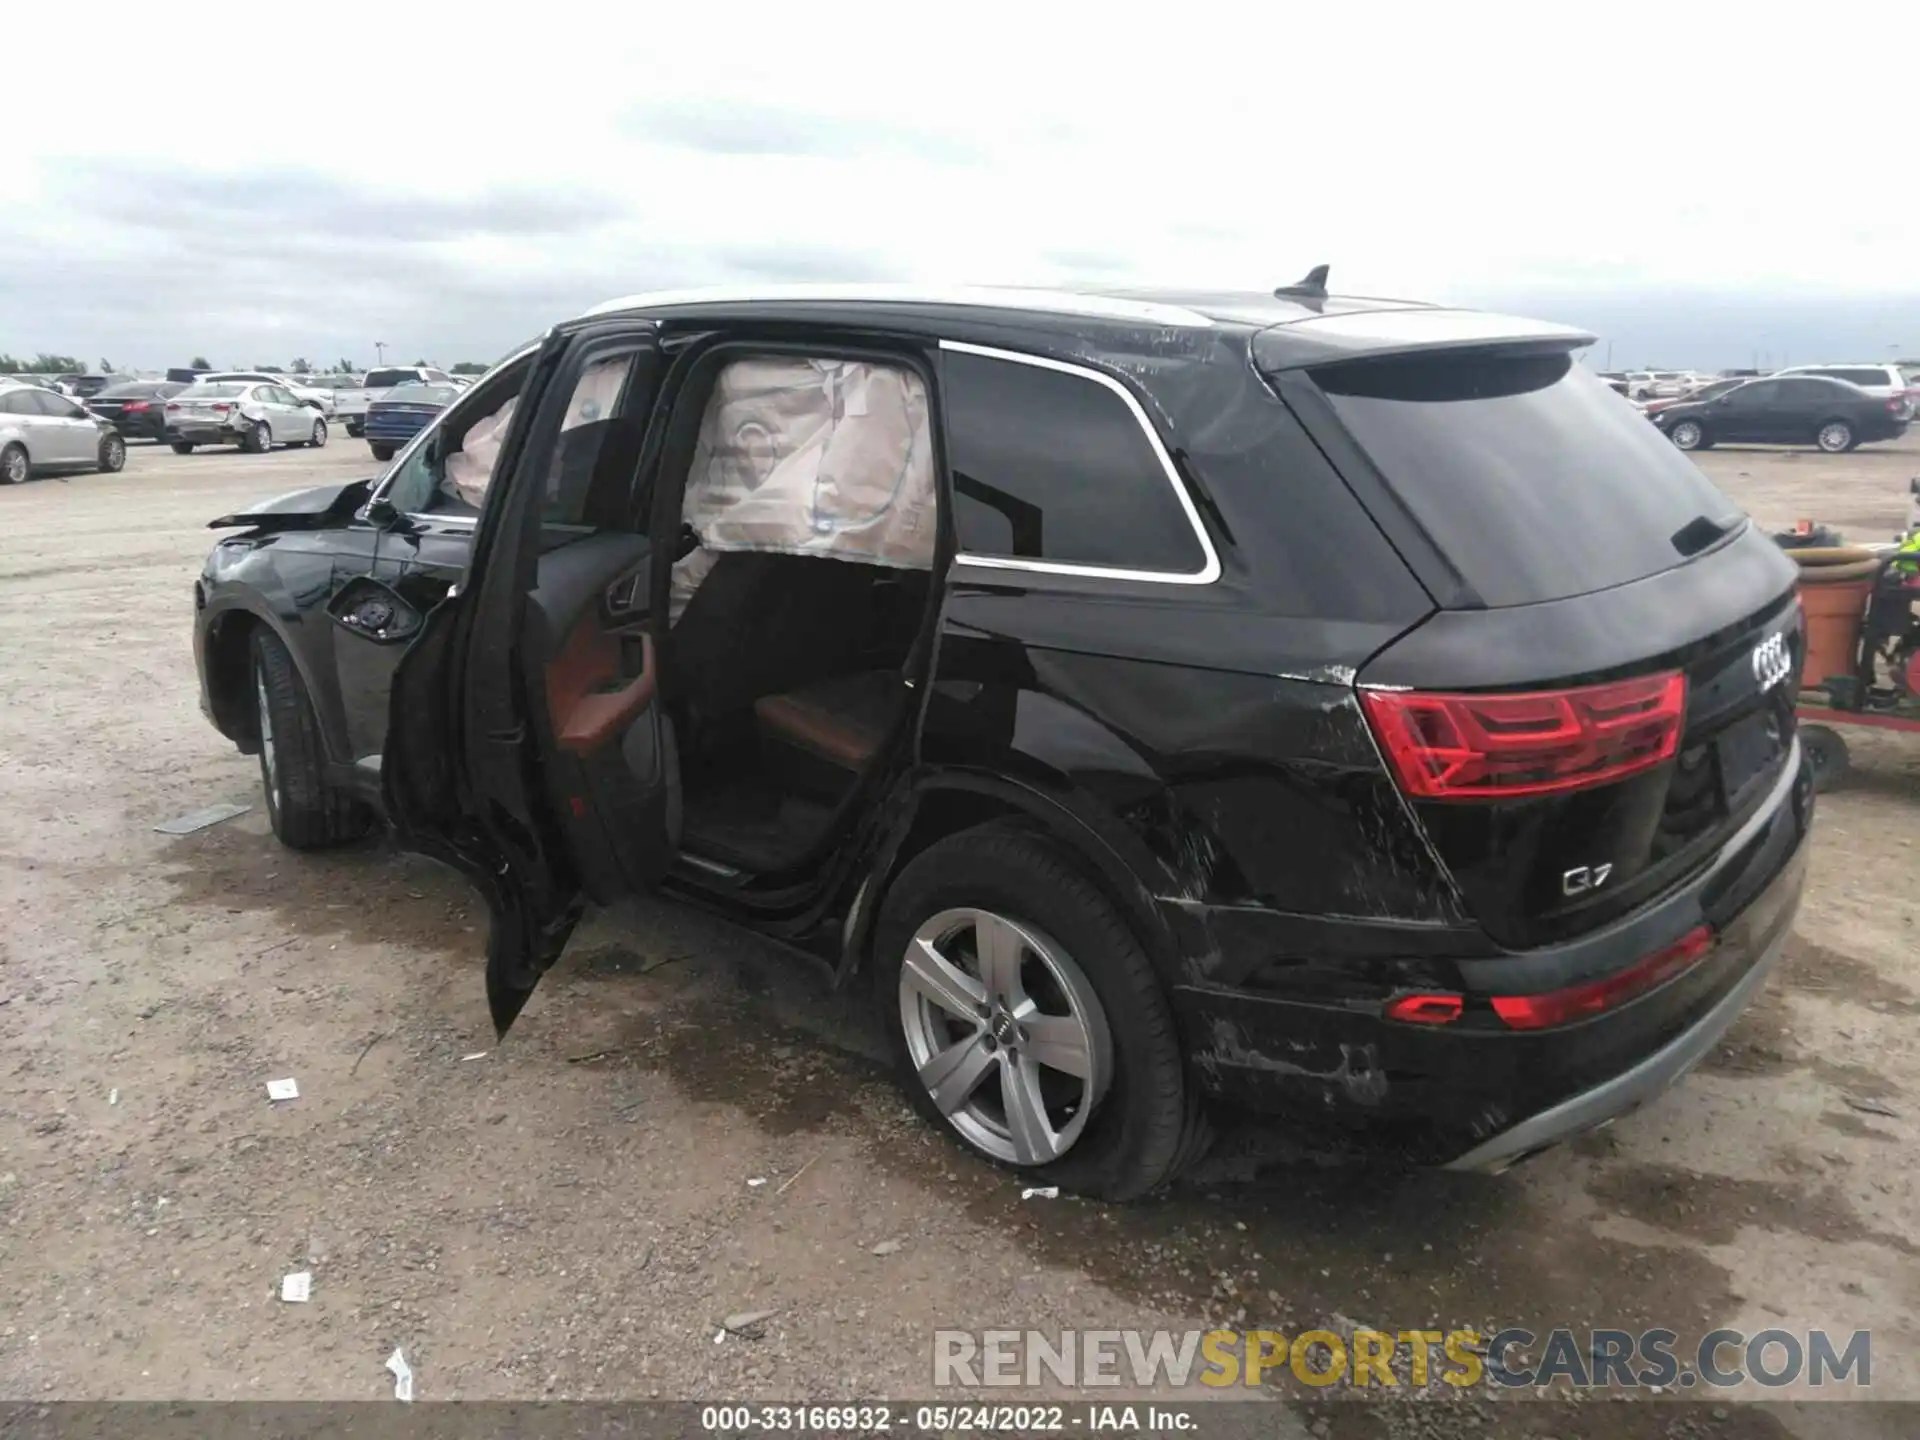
{"type": "Point", "coordinates": [1835, 437]}
{"type": "Point", "coordinates": [306, 812]}
{"type": "Point", "coordinates": [1026, 1019]}
{"type": "Point", "coordinates": [380, 452]}
{"type": "Point", "coordinates": [14, 465]}
{"type": "Point", "coordinates": [318, 437]}
{"type": "Point", "coordinates": [113, 455]}
{"type": "Point", "coordinates": [1689, 435]}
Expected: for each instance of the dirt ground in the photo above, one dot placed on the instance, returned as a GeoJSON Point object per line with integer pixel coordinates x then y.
{"type": "Point", "coordinates": [685, 1125]}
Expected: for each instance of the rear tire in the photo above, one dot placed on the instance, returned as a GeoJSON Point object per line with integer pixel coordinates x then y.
{"type": "Point", "coordinates": [113, 455]}
{"type": "Point", "coordinates": [258, 440]}
{"type": "Point", "coordinates": [1828, 754]}
{"type": "Point", "coordinates": [1836, 437]}
{"type": "Point", "coordinates": [1145, 1121]}
{"type": "Point", "coordinates": [380, 452]}
{"type": "Point", "coordinates": [14, 465]}
{"type": "Point", "coordinates": [353, 430]}
{"type": "Point", "coordinates": [182, 447]}
{"type": "Point", "coordinates": [306, 812]}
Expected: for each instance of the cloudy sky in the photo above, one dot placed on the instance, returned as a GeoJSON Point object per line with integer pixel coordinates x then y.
{"type": "Point", "coordinates": [267, 182]}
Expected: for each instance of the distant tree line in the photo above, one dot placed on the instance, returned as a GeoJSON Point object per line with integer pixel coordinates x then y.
{"type": "Point", "coordinates": [45, 364]}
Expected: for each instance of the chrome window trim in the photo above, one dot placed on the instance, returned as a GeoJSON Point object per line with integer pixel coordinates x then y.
{"type": "Point", "coordinates": [1205, 575]}
{"type": "Point", "coordinates": [1037, 301]}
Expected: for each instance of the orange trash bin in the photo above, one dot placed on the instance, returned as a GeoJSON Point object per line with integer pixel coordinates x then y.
{"type": "Point", "coordinates": [1834, 586]}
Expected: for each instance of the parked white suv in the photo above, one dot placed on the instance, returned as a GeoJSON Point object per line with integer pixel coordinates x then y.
{"type": "Point", "coordinates": [1883, 382]}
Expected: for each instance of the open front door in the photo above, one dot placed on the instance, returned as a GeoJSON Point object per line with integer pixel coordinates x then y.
{"type": "Point", "coordinates": [525, 745]}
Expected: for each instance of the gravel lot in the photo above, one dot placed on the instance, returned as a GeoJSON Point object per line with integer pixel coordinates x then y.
{"type": "Point", "coordinates": [572, 1214]}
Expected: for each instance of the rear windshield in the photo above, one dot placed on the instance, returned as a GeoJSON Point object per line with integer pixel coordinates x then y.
{"type": "Point", "coordinates": [386, 379]}
{"type": "Point", "coordinates": [136, 390]}
{"type": "Point", "coordinates": [414, 393]}
{"type": "Point", "coordinates": [216, 390]}
{"type": "Point", "coordinates": [1531, 476]}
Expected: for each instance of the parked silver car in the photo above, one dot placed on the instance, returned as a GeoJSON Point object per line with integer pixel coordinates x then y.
{"type": "Point", "coordinates": [256, 417]}
{"type": "Point", "coordinates": [44, 431]}
{"type": "Point", "coordinates": [294, 385]}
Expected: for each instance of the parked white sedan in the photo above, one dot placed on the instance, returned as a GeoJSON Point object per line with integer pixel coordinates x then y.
{"type": "Point", "coordinates": [255, 417]}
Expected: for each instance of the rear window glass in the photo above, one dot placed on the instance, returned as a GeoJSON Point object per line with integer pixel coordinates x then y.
{"type": "Point", "coordinates": [1532, 477]}
{"type": "Point", "coordinates": [1055, 467]}
{"type": "Point", "coordinates": [215, 390]}
{"type": "Point", "coordinates": [386, 379]}
{"type": "Point", "coordinates": [414, 393]}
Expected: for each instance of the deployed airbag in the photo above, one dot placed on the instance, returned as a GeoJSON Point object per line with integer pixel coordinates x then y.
{"type": "Point", "coordinates": [470, 467]}
{"type": "Point", "coordinates": [816, 457]}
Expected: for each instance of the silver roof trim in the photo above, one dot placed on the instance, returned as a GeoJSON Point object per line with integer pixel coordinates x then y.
{"type": "Point", "coordinates": [1205, 575]}
{"type": "Point", "coordinates": [1038, 301]}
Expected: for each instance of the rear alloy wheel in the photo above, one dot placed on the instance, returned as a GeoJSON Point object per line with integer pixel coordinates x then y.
{"type": "Point", "coordinates": [319, 435]}
{"type": "Point", "coordinates": [258, 439]}
{"type": "Point", "coordinates": [306, 812]}
{"type": "Point", "coordinates": [14, 468]}
{"type": "Point", "coordinates": [113, 454]}
{"type": "Point", "coordinates": [183, 447]}
{"type": "Point", "coordinates": [1835, 437]}
{"type": "Point", "coordinates": [1688, 435]}
{"type": "Point", "coordinates": [1025, 1017]}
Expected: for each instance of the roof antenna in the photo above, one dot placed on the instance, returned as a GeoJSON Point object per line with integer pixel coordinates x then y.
{"type": "Point", "coordinates": [1314, 287]}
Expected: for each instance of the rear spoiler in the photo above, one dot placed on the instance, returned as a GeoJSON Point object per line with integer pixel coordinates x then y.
{"type": "Point", "coordinates": [313, 509]}
{"type": "Point", "coordinates": [1366, 334]}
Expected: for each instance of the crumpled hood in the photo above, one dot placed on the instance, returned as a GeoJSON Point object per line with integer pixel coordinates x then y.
{"type": "Point", "coordinates": [313, 509]}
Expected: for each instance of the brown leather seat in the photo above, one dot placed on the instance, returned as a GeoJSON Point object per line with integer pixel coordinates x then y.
{"type": "Point", "coordinates": [844, 721]}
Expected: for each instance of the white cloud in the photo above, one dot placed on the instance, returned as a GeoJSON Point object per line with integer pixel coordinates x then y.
{"type": "Point", "coordinates": [305, 179]}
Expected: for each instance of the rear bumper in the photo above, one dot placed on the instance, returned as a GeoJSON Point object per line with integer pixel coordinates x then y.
{"type": "Point", "coordinates": [199, 433]}
{"type": "Point", "coordinates": [1627, 1091]}
{"type": "Point", "coordinates": [1475, 1094]}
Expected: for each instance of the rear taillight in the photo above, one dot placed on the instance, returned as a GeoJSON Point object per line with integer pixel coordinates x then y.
{"type": "Point", "coordinates": [1579, 1002]}
{"type": "Point", "coordinates": [171, 406]}
{"type": "Point", "coordinates": [1896, 404]}
{"type": "Point", "coordinates": [1493, 747]}
{"type": "Point", "coordinates": [221, 409]}
{"type": "Point", "coordinates": [1427, 1007]}
{"type": "Point", "coordinates": [132, 405]}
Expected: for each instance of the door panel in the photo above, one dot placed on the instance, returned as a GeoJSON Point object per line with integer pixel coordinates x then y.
{"type": "Point", "coordinates": [521, 655]}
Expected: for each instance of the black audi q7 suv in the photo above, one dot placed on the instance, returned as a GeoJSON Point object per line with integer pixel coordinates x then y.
{"type": "Point", "coordinates": [1340, 708]}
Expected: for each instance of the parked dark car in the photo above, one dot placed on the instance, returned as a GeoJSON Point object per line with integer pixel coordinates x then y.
{"type": "Point", "coordinates": [137, 409]}
{"type": "Point", "coordinates": [85, 387]}
{"type": "Point", "coordinates": [402, 413]}
{"type": "Point", "coordinates": [1339, 708]}
{"type": "Point", "coordinates": [1797, 410]}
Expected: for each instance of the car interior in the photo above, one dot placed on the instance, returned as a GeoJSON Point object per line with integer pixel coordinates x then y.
{"type": "Point", "coordinates": [801, 494]}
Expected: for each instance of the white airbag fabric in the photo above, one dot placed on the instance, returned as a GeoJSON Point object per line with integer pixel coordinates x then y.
{"type": "Point", "coordinates": [470, 467]}
{"type": "Point", "coordinates": [816, 457]}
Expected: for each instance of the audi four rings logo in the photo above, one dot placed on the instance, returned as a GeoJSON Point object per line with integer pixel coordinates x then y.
{"type": "Point", "coordinates": [1771, 663]}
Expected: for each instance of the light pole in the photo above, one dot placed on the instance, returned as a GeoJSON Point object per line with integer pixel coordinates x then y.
{"type": "Point", "coordinates": [380, 352]}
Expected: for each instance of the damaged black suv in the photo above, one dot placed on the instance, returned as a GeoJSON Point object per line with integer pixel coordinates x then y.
{"type": "Point", "coordinates": [1348, 709]}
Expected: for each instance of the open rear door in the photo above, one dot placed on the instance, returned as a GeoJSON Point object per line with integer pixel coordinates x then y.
{"type": "Point", "coordinates": [525, 746]}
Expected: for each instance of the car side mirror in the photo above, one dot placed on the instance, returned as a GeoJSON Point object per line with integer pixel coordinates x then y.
{"type": "Point", "coordinates": [384, 513]}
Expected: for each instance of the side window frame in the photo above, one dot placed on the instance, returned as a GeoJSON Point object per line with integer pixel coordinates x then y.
{"type": "Point", "coordinates": [384, 488]}
{"type": "Point", "coordinates": [1210, 569]}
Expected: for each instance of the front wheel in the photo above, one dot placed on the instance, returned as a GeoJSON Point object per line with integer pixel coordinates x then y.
{"type": "Point", "coordinates": [306, 812]}
{"type": "Point", "coordinates": [113, 454]}
{"type": "Point", "coordinates": [183, 447]}
{"type": "Point", "coordinates": [1835, 437]}
{"type": "Point", "coordinates": [318, 436]}
{"type": "Point", "coordinates": [380, 452]}
{"type": "Point", "coordinates": [14, 467]}
{"type": "Point", "coordinates": [1688, 435]}
{"type": "Point", "coordinates": [1025, 1018]}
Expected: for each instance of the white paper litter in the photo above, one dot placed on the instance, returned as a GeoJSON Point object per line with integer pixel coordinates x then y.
{"type": "Point", "coordinates": [113, 1097]}
{"type": "Point", "coordinates": [1041, 1192]}
{"type": "Point", "coordinates": [297, 1287]}
{"type": "Point", "coordinates": [402, 1375]}
{"type": "Point", "coordinates": [757, 1181]}
{"type": "Point", "coordinates": [476, 1055]}
{"type": "Point", "coordinates": [283, 1090]}
{"type": "Point", "coordinates": [200, 819]}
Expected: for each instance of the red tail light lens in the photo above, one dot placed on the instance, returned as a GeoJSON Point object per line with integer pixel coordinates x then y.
{"type": "Point", "coordinates": [1491, 747]}
{"type": "Point", "coordinates": [1578, 1002]}
{"type": "Point", "coordinates": [1429, 1007]}
{"type": "Point", "coordinates": [221, 409]}
{"type": "Point", "coordinates": [172, 407]}
{"type": "Point", "coordinates": [132, 405]}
